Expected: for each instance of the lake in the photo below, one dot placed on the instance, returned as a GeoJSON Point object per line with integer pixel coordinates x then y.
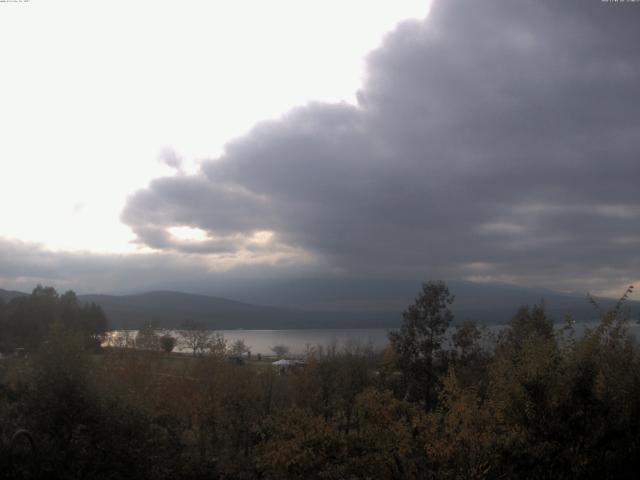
{"type": "Point", "coordinates": [298, 341]}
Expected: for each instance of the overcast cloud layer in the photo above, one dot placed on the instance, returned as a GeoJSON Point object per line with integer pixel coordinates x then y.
{"type": "Point", "coordinates": [495, 140]}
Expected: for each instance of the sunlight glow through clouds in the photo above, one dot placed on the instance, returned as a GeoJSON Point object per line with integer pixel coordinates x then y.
{"type": "Point", "coordinates": [92, 92]}
{"type": "Point", "coordinates": [188, 234]}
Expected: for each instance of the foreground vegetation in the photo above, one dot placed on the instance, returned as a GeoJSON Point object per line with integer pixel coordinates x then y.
{"type": "Point", "coordinates": [535, 402]}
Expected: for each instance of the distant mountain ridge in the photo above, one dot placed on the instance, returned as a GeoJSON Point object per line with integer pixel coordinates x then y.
{"type": "Point", "coordinates": [170, 309]}
{"type": "Point", "coordinates": [490, 304]}
{"type": "Point", "coordinates": [8, 295]}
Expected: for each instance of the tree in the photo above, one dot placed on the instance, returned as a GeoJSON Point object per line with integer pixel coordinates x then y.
{"type": "Point", "coordinates": [466, 338]}
{"type": "Point", "coordinates": [196, 337]}
{"type": "Point", "coordinates": [529, 322]}
{"type": "Point", "coordinates": [147, 339]}
{"type": "Point", "coordinates": [280, 350]}
{"type": "Point", "coordinates": [217, 345]}
{"type": "Point", "coordinates": [29, 319]}
{"type": "Point", "coordinates": [468, 357]}
{"type": "Point", "coordinates": [420, 339]}
{"type": "Point", "coordinates": [94, 325]}
{"type": "Point", "coordinates": [167, 343]}
{"type": "Point", "coordinates": [462, 435]}
{"type": "Point", "coordinates": [239, 348]}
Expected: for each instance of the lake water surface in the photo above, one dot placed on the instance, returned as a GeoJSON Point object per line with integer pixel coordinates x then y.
{"type": "Point", "coordinates": [297, 341]}
{"type": "Point", "coordinates": [301, 340]}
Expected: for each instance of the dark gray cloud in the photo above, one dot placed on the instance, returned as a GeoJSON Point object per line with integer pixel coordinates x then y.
{"type": "Point", "coordinates": [495, 140]}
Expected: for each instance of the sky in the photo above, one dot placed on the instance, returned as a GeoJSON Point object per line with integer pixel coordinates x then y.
{"type": "Point", "coordinates": [93, 93]}
{"type": "Point", "coordinates": [214, 147]}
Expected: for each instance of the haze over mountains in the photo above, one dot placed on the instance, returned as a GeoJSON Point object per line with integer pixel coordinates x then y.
{"type": "Point", "coordinates": [484, 303]}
